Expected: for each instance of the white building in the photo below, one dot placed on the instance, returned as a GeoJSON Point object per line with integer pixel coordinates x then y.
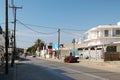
{"type": "Point", "coordinates": [103, 34]}
{"type": "Point", "coordinates": [98, 39]}
{"type": "Point", "coordinates": [2, 46]}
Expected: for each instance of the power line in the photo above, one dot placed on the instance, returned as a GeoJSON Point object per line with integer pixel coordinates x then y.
{"type": "Point", "coordinates": [24, 41]}
{"type": "Point", "coordinates": [55, 27]}
{"type": "Point", "coordinates": [71, 34]}
{"type": "Point", "coordinates": [35, 30]}
{"type": "Point", "coordinates": [41, 26]}
{"type": "Point", "coordinates": [72, 29]}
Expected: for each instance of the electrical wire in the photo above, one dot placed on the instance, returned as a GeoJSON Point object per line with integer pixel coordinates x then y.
{"type": "Point", "coordinates": [24, 41]}
{"type": "Point", "coordinates": [41, 26]}
{"type": "Point", "coordinates": [72, 29]}
{"type": "Point", "coordinates": [71, 34]}
{"type": "Point", "coordinates": [54, 27]}
{"type": "Point", "coordinates": [35, 30]}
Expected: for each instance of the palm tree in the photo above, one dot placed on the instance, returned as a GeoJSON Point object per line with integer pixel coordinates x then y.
{"type": "Point", "coordinates": [38, 45]}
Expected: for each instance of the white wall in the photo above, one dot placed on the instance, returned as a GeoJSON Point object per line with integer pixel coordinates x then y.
{"type": "Point", "coordinates": [92, 54]}
{"type": "Point", "coordinates": [118, 48]}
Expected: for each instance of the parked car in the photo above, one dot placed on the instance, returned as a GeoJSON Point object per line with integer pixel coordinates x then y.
{"type": "Point", "coordinates": [33, 55]}
{"type": "Point", "coordinates": [71, 59]}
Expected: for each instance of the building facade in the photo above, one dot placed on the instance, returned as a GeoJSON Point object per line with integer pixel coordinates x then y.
{"type": "Point", "coordinates": [101, 42]}
{"type": "Point", "coordinates": [103, 34]}
{"type": "Point", "coordinates": [2, 46]}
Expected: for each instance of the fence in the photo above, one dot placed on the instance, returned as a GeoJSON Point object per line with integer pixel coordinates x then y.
{"type": "Point", "coordinates": [112, 56]}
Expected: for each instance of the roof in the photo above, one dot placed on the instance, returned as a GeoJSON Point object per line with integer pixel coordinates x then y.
{"type": "Point", "coordinates": [104, 27]}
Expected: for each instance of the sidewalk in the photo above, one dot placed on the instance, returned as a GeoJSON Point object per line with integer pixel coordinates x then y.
{"type": "Point", "coordinates": [108, 66]}
{"type": "Point", "coordinates": [9, 76]}
{"type": "Point", "coordinates": [11, 71]}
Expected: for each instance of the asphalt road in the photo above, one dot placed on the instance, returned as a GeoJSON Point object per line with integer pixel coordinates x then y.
{"type": "Point", "coordinates": [39, 69]}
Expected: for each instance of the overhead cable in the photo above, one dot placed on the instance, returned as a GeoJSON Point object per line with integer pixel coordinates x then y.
{"type": "Point", "coordinates": [72, 29]}
{"type": "Point", "coordinates": [35, 30]}
{"type": "Point", "coordinates": [72, 34]}
{"type": "Point", "coordinates": [55, 27]}
{"type": "Point", "coordinates": [41, 26]}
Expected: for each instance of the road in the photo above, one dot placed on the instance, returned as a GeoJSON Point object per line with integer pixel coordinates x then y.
{"type": "Point", "coordinates": [40, 69]}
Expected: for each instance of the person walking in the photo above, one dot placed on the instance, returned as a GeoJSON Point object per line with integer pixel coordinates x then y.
{"type": "Point", "coordinates": [25, 54]}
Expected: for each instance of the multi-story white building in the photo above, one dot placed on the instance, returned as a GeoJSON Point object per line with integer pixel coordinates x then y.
{"type": "Point", "coordinates": [103, 34]}
{"type": "Point", "coordinates": [99, 40]}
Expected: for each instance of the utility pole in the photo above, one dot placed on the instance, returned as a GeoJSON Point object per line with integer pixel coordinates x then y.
{"type": "Point", "coordinates": [58, 43]}
{"type": "Point", "coordinates": [12, 49]}
{"type": "Point", "coordinates": [14, 11]}
{"type": "Point", "coordinates": [6, 36]}
{"type": "Point", "coordinates": [73, 47]}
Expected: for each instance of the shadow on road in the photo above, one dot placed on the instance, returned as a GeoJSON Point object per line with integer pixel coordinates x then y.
{"type": "Point", "coordinates": [22, 59]}
{"type": "Point", "coordinates": [39, 72]}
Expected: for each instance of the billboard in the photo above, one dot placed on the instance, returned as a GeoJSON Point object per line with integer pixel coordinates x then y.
{"type": "Point", "coordinates": [54, 46]}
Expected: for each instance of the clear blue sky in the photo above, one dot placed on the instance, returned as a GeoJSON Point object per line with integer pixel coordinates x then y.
{"type": "Point", "coordinates": [73, 17]}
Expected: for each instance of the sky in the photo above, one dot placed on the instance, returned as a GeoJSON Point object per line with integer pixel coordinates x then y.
{"type": "Point", "coordinates": [41, 19]}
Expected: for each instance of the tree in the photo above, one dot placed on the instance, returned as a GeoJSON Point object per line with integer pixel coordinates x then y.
{"type": "Point", "coordinates": [38, 45]}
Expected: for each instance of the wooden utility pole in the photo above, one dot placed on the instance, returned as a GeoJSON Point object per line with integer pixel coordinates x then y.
{"type": "Point", "coordinates": [14, 53]}
{"type": "Point", "coordinates": [58, 43]}
{"type": "Point", "coordinates": [73, 54]}
{"type": "Point", "coordinates": [6, 36]}
{"type": "Point", "coordinates": [12, 49]}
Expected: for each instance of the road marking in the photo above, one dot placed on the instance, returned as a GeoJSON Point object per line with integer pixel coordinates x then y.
{"type": "Point", "coordinates": [87, 74]}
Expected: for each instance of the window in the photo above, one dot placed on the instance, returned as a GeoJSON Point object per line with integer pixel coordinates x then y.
{"type": "Point", "coordinates": [111, 49]}
{"type": "Point", "coordinates": [106, 33]}
{"type": "Point", "coordinates": [114, 33]}
{"type": "Point", "coordinates": [98, 33]}
{"type": "Point", "coordinates": [86, 48]}
{"type": "Point", "coordinates": [92, 48]}
{"type": "Point", "coordinates": [118, 33]}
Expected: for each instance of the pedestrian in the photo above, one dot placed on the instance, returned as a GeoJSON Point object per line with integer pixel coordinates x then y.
{"type": "Point", "coordinates": [25, 54]}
